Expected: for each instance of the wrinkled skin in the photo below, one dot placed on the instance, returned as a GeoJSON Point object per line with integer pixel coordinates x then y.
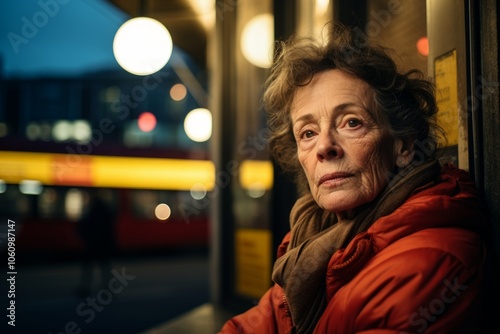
{"type": "Point", "coordinates": [346, 155]}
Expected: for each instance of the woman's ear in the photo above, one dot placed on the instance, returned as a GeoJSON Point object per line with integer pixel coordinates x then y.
{"type": "Point", "coordinates": [403, 152]}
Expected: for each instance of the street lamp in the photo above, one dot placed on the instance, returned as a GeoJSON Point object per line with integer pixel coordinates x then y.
{"type": "Point", "coordinates": [142, 46]}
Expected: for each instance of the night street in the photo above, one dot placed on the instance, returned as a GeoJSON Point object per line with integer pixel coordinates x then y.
{"type": "Point", "coordinates": [144, 292]}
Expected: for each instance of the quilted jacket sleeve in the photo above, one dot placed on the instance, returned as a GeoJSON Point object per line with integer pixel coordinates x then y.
{"type": "Point", "coordinates": [416, 286]}
{"type": "Point", "coordinates": [262, 318]}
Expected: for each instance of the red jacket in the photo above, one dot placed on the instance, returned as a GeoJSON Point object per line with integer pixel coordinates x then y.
{"type": "Point", "coordinates": [416, 270]}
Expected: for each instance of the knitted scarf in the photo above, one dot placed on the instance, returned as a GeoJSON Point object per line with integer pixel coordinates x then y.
{"type": "Point", "coordinates": [316, 235]}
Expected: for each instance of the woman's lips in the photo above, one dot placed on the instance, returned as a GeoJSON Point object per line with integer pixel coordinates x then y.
{"type": "Point", "coordinates": [333, 177]}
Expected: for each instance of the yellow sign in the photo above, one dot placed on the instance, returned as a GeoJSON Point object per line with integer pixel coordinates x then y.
{"type": "Point", "coordinates": [106, 171]}
{"type": "Point", "coordinates": [445, 76]}
{"type": "Point", "coordinates": [253, 261]}
{"type": "Point", "coordinates": [256, 174]}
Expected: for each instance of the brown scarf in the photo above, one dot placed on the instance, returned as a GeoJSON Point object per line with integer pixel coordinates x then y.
{"type": "Point", "coordinates": [316, 235]}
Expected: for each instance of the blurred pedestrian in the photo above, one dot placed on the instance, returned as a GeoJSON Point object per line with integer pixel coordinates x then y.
{"type": "Point", "coordinates": [96, 228]}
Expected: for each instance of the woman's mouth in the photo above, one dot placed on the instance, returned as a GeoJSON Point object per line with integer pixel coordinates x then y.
{"type": "Point", "coordinates": [333, 178]}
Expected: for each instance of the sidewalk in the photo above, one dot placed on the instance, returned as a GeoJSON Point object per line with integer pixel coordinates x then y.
{"type": "Point", "coordinates": [146, 292]}
{"type": "Point", "coordinates": [204, 319]}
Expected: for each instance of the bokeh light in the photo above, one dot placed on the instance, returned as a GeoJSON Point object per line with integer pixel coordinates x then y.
{"type": "Point", "coordinates": [146, 122]}
{"type": "Point", "coordinates": [45, 131]}
{"type": "Point", "coordinates": [4, 130]}
{"type": "Point", "coordinates": [162, 211]}
{"type": "Point", "coordinates": [62, 130]}
{"type": "Point", "coordinates": [256, 191]}
{"type": "Point", "coordinates": [82, 131]}
{"type": "Point", "coordinates": [423, 46]}
{"type": "Point", "coordinates": [178, 92]}
{"type": "Point", "coordinates": [198, 124]}
{"type": "Point", "coordinates": [142, 46]}
{"type": "Point", "coordinates": [33, 131]}
{"type": "Point", "coordinates": [73, 204]}
{"type": "Point", "coordinates": [30, 187]}
{"type": "Point", "coordinates": [321, 7]}
{"type": "Point", "coordinates": [257, 40]}
{"type": "Point", "coordinates": [111, 94]}
{"type": "Point", "coordinates": [198, 191]}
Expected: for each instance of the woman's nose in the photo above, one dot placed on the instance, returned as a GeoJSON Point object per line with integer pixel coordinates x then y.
{"type": "Point", "coordinates": [328, 147]}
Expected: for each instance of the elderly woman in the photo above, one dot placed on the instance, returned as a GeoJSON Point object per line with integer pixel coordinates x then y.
{"type": "Point", "coordinates": [383, 238]}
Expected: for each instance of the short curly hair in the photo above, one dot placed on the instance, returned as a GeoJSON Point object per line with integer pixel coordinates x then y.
{"type": "Point", "coordinates": [405, 100]}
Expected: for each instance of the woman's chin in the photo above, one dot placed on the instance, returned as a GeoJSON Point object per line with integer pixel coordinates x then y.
{"type": "Point", "coordinates": [340, 202]}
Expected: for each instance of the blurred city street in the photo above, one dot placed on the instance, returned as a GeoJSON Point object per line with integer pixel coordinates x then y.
{"type": "Point", "coordinates": [143, 292]}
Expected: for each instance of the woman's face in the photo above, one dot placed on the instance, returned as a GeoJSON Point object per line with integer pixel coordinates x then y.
{"type": "Point", "coordinates": [345, 153]}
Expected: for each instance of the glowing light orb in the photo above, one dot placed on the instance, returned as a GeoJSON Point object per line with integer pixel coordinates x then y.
{"type": "Point", "coordinates": [146, 121]}
{"type": "Point", "coordinates": [423, 46]}
{"type": "Point", "coordinates": [178, 92]}
{"type": "Point", "coordinates": [257, 40]}
{"type": "Point", "coordinates": [198, 124]}
{"type": "Point", "coordinates": [198, 191]}
{"type": "Point", "coordinates": [82, 130]}
{"type": "Point", "coordinates": [30, 187]}
{"type": "Point", "coordinates": [142, 46]}
{"type": "Point", "coordinates": [62, 130]}
{"type": "Point", "coordinates": [162, 211]}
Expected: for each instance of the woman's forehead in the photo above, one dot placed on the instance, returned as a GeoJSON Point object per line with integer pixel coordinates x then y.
{"type": "Point", "coordinates": [335, 87]}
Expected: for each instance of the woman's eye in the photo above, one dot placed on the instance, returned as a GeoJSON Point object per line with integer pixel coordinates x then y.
{"type": "Point", "coordinates": [308, 134]}
{"type": "Point", "coordinates": [352, 123]}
